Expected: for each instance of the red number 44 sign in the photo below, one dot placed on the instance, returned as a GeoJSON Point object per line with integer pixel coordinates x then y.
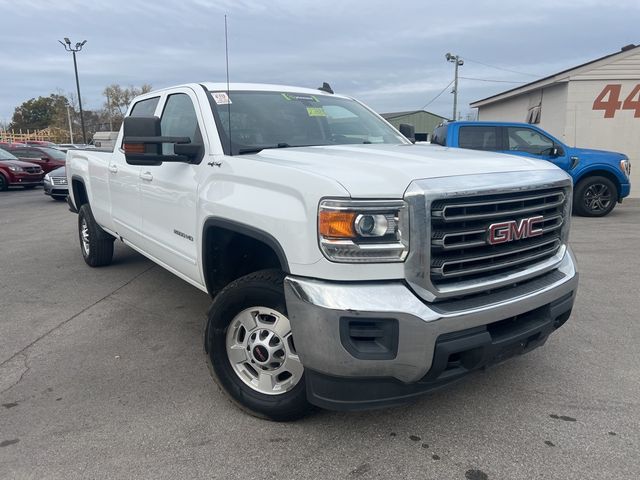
{"type": "Point", "coordinates": [609, 100]}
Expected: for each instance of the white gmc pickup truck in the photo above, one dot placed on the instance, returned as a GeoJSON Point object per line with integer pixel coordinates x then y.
{"type": "Point", "coordinates": [349, 268]}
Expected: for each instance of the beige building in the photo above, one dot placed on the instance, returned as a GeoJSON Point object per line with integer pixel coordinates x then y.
{"type": "Point", "coordinates": [594, 105]}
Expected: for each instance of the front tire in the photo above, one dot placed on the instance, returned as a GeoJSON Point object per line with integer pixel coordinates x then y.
{"type": "Point", "coordinates": [4, 184]}
{"type": "Point", "coordinates": [96, 244]}
{"type": "Point", "coordinates": [250, 348]}
{"type": "Point", "coordinates": [595, 197]}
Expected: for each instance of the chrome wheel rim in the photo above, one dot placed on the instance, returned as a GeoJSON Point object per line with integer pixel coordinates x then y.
{"type": "Point", "coordinates": [597, 197]}
{"type": "Point", "coordinates": [84, 237]}
{"type": "Point", "coordinates": [261, 351]}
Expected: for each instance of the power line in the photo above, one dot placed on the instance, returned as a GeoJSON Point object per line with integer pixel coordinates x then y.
{"type": "Point", "coordinates": [501, 68]}
{"type": "Point", "coordinates": [489, 80]}
{"type": "Point", "coordinates": [435, 98]}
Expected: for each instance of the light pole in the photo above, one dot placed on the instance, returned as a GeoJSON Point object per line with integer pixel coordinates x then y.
{"type": "Point", "coordinates": [458, 62]}
{"type": "Point", "coordinates": [67, 46]}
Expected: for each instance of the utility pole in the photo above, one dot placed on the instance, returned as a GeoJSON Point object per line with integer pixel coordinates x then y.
{"type": "Point", "coordinates": [455, 59]}
{"type": "Point", "coordinates": [70, 125]}
{"type": "Point", "coordinates": [67, 46]}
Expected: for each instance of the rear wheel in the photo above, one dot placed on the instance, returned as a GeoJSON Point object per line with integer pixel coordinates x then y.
{"type": "Point", "coordinates": [251, 352]}
{"type": "Point", "coordinates": [96, 244]}
{"type": "Point", "coordinates": [595, 197]}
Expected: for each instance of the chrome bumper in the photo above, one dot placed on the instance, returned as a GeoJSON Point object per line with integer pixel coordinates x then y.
{"type": "Point", "coordinates": [316, 307]}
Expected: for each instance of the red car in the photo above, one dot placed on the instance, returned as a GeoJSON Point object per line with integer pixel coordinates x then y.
{"type": "Point", "coordinates": [48, 158]}
{"type": "Point", "coordinates": [14, 173]}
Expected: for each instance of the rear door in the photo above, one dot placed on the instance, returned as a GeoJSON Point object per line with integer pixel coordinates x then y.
{"type": "Point", "coordinates": [124, 184]}
{"type": "Point", "coordinates": [169, 191]}
{"type": "Point", "coordinates": [479, 137]}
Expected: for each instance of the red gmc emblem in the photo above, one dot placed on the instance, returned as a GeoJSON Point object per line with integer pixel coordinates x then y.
{"type": "Point", "coordinates": [504, 232]}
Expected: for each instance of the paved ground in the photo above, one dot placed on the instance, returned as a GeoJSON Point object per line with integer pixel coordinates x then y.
{"type": "Point", "coordinates": [102, 376]}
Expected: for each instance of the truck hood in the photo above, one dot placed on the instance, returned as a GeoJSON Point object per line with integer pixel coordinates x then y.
{"type": "Point", "coordinates": [385, 171]}
{"type": "Point", "coordinates": [600, 156]}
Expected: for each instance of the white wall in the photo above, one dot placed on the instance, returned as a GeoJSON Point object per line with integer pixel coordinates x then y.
{"type": "Point", "coordinates": [586, 127]}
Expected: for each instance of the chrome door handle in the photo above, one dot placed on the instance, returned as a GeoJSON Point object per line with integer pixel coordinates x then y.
{"type": "Point", "coordinates": [113, 168]}
{"type": "Point", "coordinates": [146, 176]}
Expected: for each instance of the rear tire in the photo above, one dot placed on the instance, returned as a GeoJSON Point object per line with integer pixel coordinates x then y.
{"type": "Point", "coordinates": [96, 245]}
{"type": "Point", "coordinates": [594, 197]}
{"type": "Point", "coordinates": [248, 320]}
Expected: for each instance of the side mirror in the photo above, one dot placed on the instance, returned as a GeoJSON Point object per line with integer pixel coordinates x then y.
{"type": "Point", "coordinates": [408, 131]}
{"type": "Point", "coordinates": [142, 141]}
{"type": "Point", "coordinates": [557, 151]}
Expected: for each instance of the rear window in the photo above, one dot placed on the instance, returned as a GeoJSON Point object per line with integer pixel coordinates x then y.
{"type": "Point", "coordinates": [440, 135]}
{"type": "Point", "coordinates": [478, 138]}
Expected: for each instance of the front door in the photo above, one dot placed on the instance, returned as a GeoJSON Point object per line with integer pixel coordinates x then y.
{"type": "Point", "coordinates": [529, 142]}
{"type": "Point", "coordinates": [169, 191]}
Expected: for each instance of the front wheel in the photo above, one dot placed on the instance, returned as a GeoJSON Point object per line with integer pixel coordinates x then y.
{"type": "Point", "coordinates": [96, 244]}
{"type": "Point", "coordinates": [251, 351]}
{"type": "Point", "coordinates": [595, 197]}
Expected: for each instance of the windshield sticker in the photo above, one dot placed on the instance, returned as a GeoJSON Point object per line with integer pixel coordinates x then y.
{"type": "Point", "coordinates": [221, 98]}
{"type": "Point", "coordinates": [316, 112]}
{"type": "Point", "coordinates": [291, 96]}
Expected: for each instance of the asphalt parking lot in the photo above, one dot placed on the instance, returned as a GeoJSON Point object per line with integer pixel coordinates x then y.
{"type": "Point", "coordinates": [102, 376]}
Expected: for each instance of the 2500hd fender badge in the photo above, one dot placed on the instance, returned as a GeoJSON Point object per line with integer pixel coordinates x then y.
{"type": "Point", "coordinates": [512, 230]}
{"type": "Point", "coordinates": [183, 235]}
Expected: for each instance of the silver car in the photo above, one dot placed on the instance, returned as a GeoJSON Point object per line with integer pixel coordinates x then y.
{"type": "Point", "coordinates": [55, 184]}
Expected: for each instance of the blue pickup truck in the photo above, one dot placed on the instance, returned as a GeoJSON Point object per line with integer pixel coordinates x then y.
{"type": "Point", "coordinates": [600, 178]}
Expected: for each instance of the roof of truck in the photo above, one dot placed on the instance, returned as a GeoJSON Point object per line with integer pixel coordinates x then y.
{"type": "Point", "coordinates": [261, 87]}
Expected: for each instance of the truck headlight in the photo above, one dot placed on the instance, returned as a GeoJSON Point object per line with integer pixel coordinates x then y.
{"type": "Point", "coordinates": [625, 166]}
{"type": "Point", "coordinates": [361, 231]}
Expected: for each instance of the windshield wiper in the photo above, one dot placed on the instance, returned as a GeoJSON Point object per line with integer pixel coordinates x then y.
{"type": "Point", "coordinates": [259, 149]}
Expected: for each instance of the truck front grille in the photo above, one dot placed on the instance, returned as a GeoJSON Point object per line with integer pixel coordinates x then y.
{"type": "Point", "coordinates": [460, 248]}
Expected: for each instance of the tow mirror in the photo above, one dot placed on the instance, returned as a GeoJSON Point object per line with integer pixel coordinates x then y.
{"type": "Point", "coordinates": [408, 131]}
{"type": "Point", "coordinates": [142, 143]}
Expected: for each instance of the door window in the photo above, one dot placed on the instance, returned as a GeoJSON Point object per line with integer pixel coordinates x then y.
{"type": "Point", "coordinates": [529, 141]}
{"type": "Point", "coordinates": [478, 138]}
{"type": "Point", "coordinates": [179, 120]}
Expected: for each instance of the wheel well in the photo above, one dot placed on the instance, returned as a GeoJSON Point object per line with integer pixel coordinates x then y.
{"type": "Point", "coordinates": [601, 173]}
{"type": "Point", "coordinates": [79, 193]}
{"type": "Point", "coordinates": [231, 252]}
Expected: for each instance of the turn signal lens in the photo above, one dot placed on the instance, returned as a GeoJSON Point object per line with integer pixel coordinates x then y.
{"type": "Point", "coordinates": [336, 224]}
{"type": "Point", "coordinates": [134, 148]}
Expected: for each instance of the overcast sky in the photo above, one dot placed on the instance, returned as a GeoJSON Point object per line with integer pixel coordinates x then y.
{"type": "Point", "coordinates": [390, 54]}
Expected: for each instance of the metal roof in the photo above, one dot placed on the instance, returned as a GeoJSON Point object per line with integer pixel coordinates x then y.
{"type": "Point", "coordinates": [409, 112]}
{"type": "Point", "coordinates": [560, 76]}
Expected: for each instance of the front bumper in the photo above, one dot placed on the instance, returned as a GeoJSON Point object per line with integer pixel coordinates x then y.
{"type": "Point", "coordinates": [55, 190]}
{"type": "Point", "coordinates": [625, 190]}
{"type": "Point", "coordinates": [416, 347]}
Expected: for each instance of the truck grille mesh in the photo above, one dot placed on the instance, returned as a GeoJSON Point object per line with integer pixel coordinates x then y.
{"type": "Point", "coordinates": [460, 228]}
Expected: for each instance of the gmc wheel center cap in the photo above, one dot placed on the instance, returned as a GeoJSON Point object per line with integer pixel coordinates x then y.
{"type": "Point", "coordinates": [260, 353]}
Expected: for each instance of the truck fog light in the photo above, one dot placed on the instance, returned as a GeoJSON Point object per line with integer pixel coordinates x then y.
{"type": "Point", "coordinates": [371, 225]}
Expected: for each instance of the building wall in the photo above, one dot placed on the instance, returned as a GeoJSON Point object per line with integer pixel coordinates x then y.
{"type": "Point", "coordinates": [589, 128]}
{"type": "Point", "coordinates": [423, 122]}
{"type": "Point", "coordinates": [552, 101]}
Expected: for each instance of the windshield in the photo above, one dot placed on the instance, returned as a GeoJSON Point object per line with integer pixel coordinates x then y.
{"type": "Point", "coordinates": [262, 120]}
{"type": "Point", "coordinates": [54, 153]}
{"type": "Point", "coordinates": [4, 155]}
